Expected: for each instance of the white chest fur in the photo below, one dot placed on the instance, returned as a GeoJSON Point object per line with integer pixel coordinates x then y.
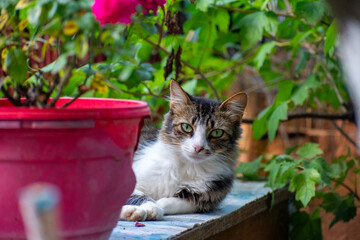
{"type": "Point", "coordinates": [161, 169]}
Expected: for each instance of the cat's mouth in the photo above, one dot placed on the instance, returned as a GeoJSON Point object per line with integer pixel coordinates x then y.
{"type": "Point", "coordinates": [195, 158]}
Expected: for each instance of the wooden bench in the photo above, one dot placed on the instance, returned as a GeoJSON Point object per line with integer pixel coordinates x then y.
{"type": "Point", "coordinates": [245, 213]}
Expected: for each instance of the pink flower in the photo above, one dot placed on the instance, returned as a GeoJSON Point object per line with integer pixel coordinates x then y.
{"type": "Point", "coordinates": [114, 11]}
{"type": "Point", "coordinates": [120, 11]}
{"type": "Point", "coordinates": [152, 4]}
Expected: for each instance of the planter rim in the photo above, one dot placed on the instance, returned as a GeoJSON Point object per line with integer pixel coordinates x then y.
{"type": "Point", "coordinates": [82, 108]}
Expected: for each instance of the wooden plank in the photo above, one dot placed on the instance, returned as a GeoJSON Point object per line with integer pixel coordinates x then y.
{"type": "Point", "coordinates": [247, 199]}
{"type": "Point", "coordinates": [265, 225]}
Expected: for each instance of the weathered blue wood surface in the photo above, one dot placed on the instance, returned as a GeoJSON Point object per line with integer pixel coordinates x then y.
{"type": "Point", "coordinates": [243, 193]}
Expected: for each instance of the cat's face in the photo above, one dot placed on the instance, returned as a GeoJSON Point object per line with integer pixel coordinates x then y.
{"type": "Point", "coordinates": [202, 128]}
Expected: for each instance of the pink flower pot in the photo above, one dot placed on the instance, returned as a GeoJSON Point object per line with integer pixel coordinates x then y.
{"type": "Point", "coordinates": [86, 150]}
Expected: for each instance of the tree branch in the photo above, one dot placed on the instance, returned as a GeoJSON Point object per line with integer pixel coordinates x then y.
{"type": "Point", "coordinates": [348, 188]}
{"type": "Point", "coordinates": [239, 10]}
{"type": "Point", "coordinates": [330, 116]}
{"type": "Point", "coordinates": [196, 70]}
{"type": "Point", "coordinates": [345, 135]}
{"type": "Point", "coordinates": [116, 88]}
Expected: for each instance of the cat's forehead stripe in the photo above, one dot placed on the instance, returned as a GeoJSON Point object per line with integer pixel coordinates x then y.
{"type": "Point", "coordinates": [204, 112]}
{"type": "Point", "coordinates": [193, 120]}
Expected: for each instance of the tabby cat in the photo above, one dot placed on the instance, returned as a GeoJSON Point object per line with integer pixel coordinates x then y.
{"type": "Point", "coordinates": [187, 166]}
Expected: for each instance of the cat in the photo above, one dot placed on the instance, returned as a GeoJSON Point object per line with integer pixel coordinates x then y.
{"type": "Point", "coordinates": [186, 166]}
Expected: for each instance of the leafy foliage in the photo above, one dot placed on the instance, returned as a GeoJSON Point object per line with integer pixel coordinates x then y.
{"type": "Point", "coordinates": [291, 44]}
{"type": "Point", "coordinates": [307, 174]}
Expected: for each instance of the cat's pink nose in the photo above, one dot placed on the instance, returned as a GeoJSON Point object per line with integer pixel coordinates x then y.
{"type": "Point", "coordinates": [198, 148]}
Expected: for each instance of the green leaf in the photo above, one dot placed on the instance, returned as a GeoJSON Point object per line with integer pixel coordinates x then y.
{"type": "Point", "coordinates": [190, 86]}
{"type": "Point", "coordinates": [16, 65]}
{"type": "Point", "coordinates": [322, 167]}
{"type": "Point", "coordinates": [86, 21]}
{"type": "Point", "coordinates": [280, 113]}
{"type": "Point", "coordinates": [203, 5]}
{"type": "Point", "coordinates": [345, 211]}
{"type": "Point", "coordinates": [81, 46]}
{"type": "Point", "coordinates": [309, 150]}
{"type": "Point", "coordinates": [250, 169]}
{"type": "Point", "coordinates": [222, 20]}
{"type": "Point", "coordinates": [299, 37]}
{"type": "Point", "coordinates": [59, 64]}
{"type": "Point", "coordinates": [300, 95]}
{"type": "Point", "coordinates": [263, 50]}
{"type": "Point", "coordinates": [149, 27]}
{"type": "Point", "coordinates": [289, 150]}
{"type": "Point", "coordinates": [260, 126]}
{"type": "Point", "coordinates": [280, 169]}
{"type": "Point", "coordinates": [304, 57]}
{"type": "Point", "coordinates": [302, 92]}
{"type": "Point", "coordinates": [126, 72]}
{"type": "Point", "coordinates": [312, 81]}
{"type": "Point", "coordinates": [340, 167]}
{"type": "Point", "coordinates": [143, 75]}
{"type": "Point", "coordinates": [304, 185]}
{"type": "Point", "coordinates": [305, 226]}
{"type": "Point", "coordinates": [272, 22]}
{"type": "Point", "coordinates": [273, 168]}
{"type": "Point", "coordinates": [76, 79]}
{"type": "Point", "coordinates": [331, 202]}
{"type": "Point", "coordinates": [284, 93]}
{"type": "Point", "coordinates": [33, 15]}
{"type": "Point", "coordinates": [203, 23]}
{"type": "Point", "coordinates": [252, 26]}
{"type": "Point", "coordinates": [311, 11]}
{"type": "Point", "coordinates": [331, 38]}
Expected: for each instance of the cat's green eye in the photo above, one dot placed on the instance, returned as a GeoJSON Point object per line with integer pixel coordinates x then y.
{"type": "Point", "coordinates": [217, 133]}
{"type": "Point", "coordinates": [186, 128]}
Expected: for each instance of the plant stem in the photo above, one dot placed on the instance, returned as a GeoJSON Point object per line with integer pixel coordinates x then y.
{"type": "Point", "coordinates": [196, 70]}
{"type": "Point", "coordinates": [72, 100]}
{"type": "Point", "coordinates": [14, 101]}
{"type": "Point", "coordinates": [64, 79]}
{"type": "Point", "coordinates": [348, 188]}
{"type": "Point", "coordinates": [162, 26]}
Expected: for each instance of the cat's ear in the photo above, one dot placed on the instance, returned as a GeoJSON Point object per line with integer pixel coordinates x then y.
{"type": "Point", "coordinates": [236, 104]}
{"type": "Point", "coordinates": [177, 94]}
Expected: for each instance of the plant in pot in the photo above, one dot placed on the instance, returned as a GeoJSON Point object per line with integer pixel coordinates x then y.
{"type": "Point", "coordinates": [83, 145]}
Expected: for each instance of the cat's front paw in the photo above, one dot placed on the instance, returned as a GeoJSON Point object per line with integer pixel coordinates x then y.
{"type": "Point", "coordinates": [153, 211]}
{"type": "Point", "coordinates": [133, 213]}
{"type": "Point", "coordinates": [146, 211]}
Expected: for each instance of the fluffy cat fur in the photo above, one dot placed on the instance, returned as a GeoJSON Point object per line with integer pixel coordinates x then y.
{"type": "Point", "coordinates": [180, 171]}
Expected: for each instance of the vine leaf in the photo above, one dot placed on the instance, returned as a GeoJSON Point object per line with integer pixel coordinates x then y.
{"type": "Point", "coordinates": [304, 185]}
{"type": "Point", "coordinates": [260, 126]}
{"type": "Point", "coordinates": [309, 150]}
{"type": "Point", "coordinates": [253, 25]}
{"type": "Point", "coordinates": [16, 65]}
{"type": "Point", "coordinates": [311, 11]}
{"type": "Point", "coordinates": [250, 169]}
{"type": "Point", "coordinates": [343, 207]}
{"type": "Point", "coordinates": [264, 50]}
{"type": "Point", "coordinates": [331, 38]}
{"type": "Point", "coordinates": [280, 113]}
